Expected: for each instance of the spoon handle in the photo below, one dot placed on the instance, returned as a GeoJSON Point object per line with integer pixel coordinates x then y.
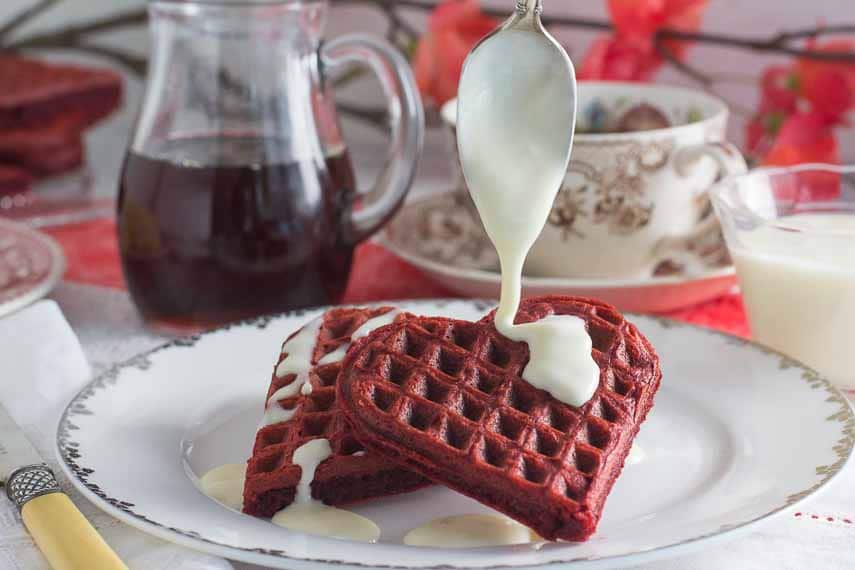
{"type": "Point", "coordinates": [529, 7]}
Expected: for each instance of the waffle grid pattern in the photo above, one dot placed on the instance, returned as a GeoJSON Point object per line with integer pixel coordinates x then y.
{"type": "Point", "coordinates": [349, 474]}
{"type": "Point", "coordinates": [452, 392]}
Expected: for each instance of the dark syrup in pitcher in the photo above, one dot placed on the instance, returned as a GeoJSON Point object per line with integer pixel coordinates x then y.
{"type": "Point", "coordinates": [211, 231]}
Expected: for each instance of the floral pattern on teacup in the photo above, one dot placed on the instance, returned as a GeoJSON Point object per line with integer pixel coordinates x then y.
{"type": "Point", "coordinates": [615, 196]}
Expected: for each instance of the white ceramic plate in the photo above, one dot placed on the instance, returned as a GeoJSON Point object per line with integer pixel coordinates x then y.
{"type": "Point", "coordinates": [738, 434]}
{"type": "Point", "coordinates": [454, 252]}
{"type": "Point", "coordinates": [31, 264]}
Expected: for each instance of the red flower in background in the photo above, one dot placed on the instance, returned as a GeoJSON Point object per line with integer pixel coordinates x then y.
{"type": "Point", "coordinates": [807, 137]}
{"type": "Point", "coordinates": [630, 54]}
{"type": "Point", "coordinates": [618, 59]}
{"type": "Point", "coordinates": [454, 28]}
{"type": "Point", "coordinates": [829, 86]}
{"type": "Point", "coordinates": [800, 106]}
{"type": "Point", "coordinates": [780, 89]}
{"type": "Point", "coordinates": [804, 137]}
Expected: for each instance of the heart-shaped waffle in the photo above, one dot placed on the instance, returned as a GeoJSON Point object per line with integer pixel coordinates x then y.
{"type": "Point", "coordinates": [349, 474]}
{"type": "Point", "coordinates": [446, 399]}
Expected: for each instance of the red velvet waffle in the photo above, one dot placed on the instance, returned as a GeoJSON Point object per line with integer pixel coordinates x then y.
{"type": "Point", "coordinates": [34, 93]}
{"type": "Point", "coordinates": [445, 399]}
{"type": "Point", "coordinates": [350, 474]}
{"type": "Point", "coordinates": [13, 180]}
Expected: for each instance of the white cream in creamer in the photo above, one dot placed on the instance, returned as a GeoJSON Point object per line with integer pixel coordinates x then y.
{"type": "Point", "coordinates": [470, 531]}
{"type": "Point", "coordinates": [310, 516]}
{"type": "Point", "coordinates": [515, 124]}
{"type": "Point", "coordinates": [798, 280]}
{"type": "Point", "coordinates": [225, 484]}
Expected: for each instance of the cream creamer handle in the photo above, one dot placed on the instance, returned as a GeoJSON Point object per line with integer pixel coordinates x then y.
{"type": "Point", "coordinates": [65, 537]}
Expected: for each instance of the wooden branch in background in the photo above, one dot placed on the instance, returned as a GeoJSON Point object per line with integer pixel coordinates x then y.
{"type": "Point", "coordinates": [25, 16]}
{"type": "Point", "coordinates": [375, 117]}
{"type": "Point", "coordinates": [404, 35]}
{"type": "Point", "coordinates": [779, 43]}
{"type": "Point", "coordinates": [668, 55]}
{"type": "Point", "coordinates": [69, 36]}
{"type": "Point", "coordinates": [132, 62]}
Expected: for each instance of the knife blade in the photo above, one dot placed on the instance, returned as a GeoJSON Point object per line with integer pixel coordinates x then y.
{"type": "Point", "coordinates": [59, 529]}
{"type": "Point", "coordinates": [15, 449]}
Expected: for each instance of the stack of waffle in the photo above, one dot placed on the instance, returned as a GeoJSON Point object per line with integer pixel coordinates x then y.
{"type": "Point", "coordinates": [44, 110]}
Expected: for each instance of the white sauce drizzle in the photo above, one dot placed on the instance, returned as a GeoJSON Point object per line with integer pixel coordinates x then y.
{"type": "Point", "coordinates": [299, 361]}
{"type": "Point", "coordinates": [470, 531]}
{"type": "Point", "coordinates": [366, 329]}
{"type": "Point", "coordinates": [515, 133]}
{"type": "Point", "coordinates": [307, 515]}
{"type": "Point", "coordinates": [300, 350]}
{"type": "Point", "coordinates": [225, 484]}
{"type": "Point", "coordinates": [276, 413]}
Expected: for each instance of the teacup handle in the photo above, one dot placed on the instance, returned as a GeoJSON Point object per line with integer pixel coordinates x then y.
{"type": "Point", "coordinates": [705, 243]}
{"type": "Point", "coordinates": [407, 122]}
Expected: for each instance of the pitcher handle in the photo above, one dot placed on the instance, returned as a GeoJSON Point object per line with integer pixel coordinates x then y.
{"type": "Point", "coordinates": [407, 121]}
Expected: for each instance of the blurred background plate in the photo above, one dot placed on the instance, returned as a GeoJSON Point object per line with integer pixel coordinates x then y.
{"type": "Point", "coordinates": [31, 264]}
{"type": "Point", "coordinates": [437, 235]}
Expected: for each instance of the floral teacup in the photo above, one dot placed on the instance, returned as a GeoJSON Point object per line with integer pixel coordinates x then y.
{"type": "Point", "coordinates": [634, 202]}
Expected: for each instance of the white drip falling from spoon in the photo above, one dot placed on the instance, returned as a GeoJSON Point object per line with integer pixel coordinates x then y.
{"type": "Point", "coordinates": [516, 117]}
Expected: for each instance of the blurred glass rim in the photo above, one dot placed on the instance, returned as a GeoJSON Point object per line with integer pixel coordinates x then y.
{"type": "Point", "coordinates": [230, 8]}
{"type": "Point", "coordinates": [236, 3]}
{"type": "Point", "coordinates": [728, 195]}
{"type": "Point", "coordinates": [234, 19]}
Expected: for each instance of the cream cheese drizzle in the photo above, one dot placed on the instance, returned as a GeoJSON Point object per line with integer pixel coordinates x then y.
{"type": "Point", "coordinates": [310, 516]}
{"type": "Point", "coordinates": [225, 484]}
{"type": "Point", "coordinates": [366, 329]}
{"type": "Point", "coordinates": [516, 118]}
{"type": "Point", "coordinates": [300, 349]}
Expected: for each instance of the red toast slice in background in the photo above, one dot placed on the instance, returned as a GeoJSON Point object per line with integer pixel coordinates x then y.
{"type": "Point", "coordinates": [34, 93]}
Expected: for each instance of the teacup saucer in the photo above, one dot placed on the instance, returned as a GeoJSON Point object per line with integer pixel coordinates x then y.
{"type": "Point", "coordinates": [437, 235]}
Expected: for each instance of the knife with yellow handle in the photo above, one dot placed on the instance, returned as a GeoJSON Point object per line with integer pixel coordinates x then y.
{"type": "Point", "coordinates": [60, 531]}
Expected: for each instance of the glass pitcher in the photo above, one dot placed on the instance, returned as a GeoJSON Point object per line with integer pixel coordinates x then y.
{"type": "Point", "coordinates": [238, 196]}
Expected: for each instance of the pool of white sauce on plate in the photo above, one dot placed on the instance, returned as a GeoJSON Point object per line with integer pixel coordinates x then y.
{"type": "Point", "coordinates": [471, 531]}
{"type": "Point", "coordinates": [311, 516]}
{"type": "Point", "coordinates": [225, 484]}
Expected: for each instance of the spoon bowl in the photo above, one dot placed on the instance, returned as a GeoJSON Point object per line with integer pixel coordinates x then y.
{"type": "Point", "coordinates": [516, 117]}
